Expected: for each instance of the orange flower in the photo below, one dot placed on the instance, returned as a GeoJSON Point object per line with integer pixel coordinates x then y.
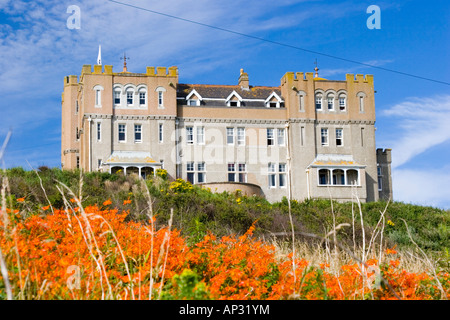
{"type": "Point", "coordinates": [391, 251]}
{"type": "Point", "coordinates": [107, 202]}
{"type": "Point", "coordinates": [21, 200]}
{"type": "Point", "coordinates": [126, 202]}
{"type": "Point", "coordinates": [73, 200]}
{"type": "Point", "coordinates": [45, 208]}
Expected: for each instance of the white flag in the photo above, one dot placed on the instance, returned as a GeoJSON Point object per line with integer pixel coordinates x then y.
{"type": "Point", "coordinates": [99, 58]}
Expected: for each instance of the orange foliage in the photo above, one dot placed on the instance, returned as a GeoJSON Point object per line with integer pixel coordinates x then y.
{"type": "Point", "coordinates": [92, 253]}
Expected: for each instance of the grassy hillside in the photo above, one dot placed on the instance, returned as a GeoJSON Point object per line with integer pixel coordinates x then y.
{"type": "Point", "coordinates": [197, 211]}
{"type": "Point", "coordinates": [172, 240]}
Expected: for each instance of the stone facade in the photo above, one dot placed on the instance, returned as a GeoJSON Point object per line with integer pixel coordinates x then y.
{"type": "Point", "coordinates": [310, 137]}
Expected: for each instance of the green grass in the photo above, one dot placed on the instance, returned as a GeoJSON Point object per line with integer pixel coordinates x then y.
{"type": "Point", "coordinates": [197, 211]}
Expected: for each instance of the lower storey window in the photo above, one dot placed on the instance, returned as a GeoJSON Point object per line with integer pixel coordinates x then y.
{"type": "Point", "coordinates": [237, 172]}
{"type": "Point", "coordinates": [277, 175]}
{"type": "Point", "coordinates": [338, 177]}
{"type": "Point", "coordinates": [196, 176]}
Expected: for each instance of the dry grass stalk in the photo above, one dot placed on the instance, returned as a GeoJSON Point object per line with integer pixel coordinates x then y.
{"type": "Point", "coordinates": [90, 239]}
{"type": "Point", "coordinates": [430, 264]}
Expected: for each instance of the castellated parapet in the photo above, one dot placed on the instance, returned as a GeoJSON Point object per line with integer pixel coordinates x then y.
{"type": "Point", "coordinates": [320, 132]}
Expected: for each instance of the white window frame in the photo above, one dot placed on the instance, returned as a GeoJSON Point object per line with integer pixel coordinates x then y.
{"type": "Point", "coordinates": [142, 103]}
{"type": "Point", "coordinates": [99, 131]}
{"type": "Point", "coordinates": [137, 130]}
{"type": "Point", "coordinates": [193, 102]}
{"type": "Point", "coordinates": [270, 136]}
{"type": "Point", "coordinates": [242, 172]}
{"type": "Point", "coordinates": [119, 92]}
{"type": "Point", "coordinates": [190, 169]}
{"type": "Point", "coordinates": [240, 136]}
{"type": "Point", "coordinates": [282, 175]}
{"type": "Point", "coordinates": [124, 126]}
{"type": "Point", "coordinates": [231, 170]}
{"type": "Point", "coordinates": [331, 177]}
{"type": "Point", "coordinates": [98, 95]}
{"type": "Point", "coordinates": [330, 98]}
{"type": "Point", "coordinates": [160, 99]}
{"type": "Point", "coordinates": [189, 135]}
{"type": "Point", "coordinates": [160, 132]}
{"type": "Point", "coordinates": [319, 101]}
{"type": "Point", "coordinates": [324, 139]}
{"type": "Point", "coordinates": [200, 131]}
{"type": "Point", "coordinates": [281, 136]}
{"type": "Point", "coordinates": [128, 93]}
{"type": "Point", "coordinates": [342, 102]}
{"type": "Point", "coordinates": [340, 137]}
{"type": "Point", "coordinates": [201, 171]}
{"type": "Point", "coordinates": [230, 136]}
{"type": "Point", "coordinates": [272, 175]}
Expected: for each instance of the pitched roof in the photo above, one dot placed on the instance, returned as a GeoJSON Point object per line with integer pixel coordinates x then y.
{"type": "Point", "coordinates": [223, 91]}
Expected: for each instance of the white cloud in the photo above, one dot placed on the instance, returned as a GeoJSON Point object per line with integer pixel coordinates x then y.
{"type": "Point", "coordinates": [423, 187]}
{"type": "Point", "coordinates": [356, 68]}
{"type": "Point", "coordinates": [422, 122]}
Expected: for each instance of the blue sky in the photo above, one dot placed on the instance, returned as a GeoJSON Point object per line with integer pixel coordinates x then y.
{"type": "Point", "coordinates": [413, 115]}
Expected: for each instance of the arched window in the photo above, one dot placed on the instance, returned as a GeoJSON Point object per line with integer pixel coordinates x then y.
{"type": "Point", "coordinates": [301, 100]}
{"type": "Point", "coordinates": [324, 177]}
{"type": "Point", "coordinates": [352, 177]}
{"type": "Point", "coordinates": [160, 92]}
{"type": "Point", "coordinates": [117, 98]}
{"type": "Point", "coordinates": [361, 97]}
{"type": "Point", "coordinates": [98, 95]}
{"type": "Point", "coordinates": [142, 97]}
{"type": "Point", "coordinates": [330, 102]}
{"type": "Point", "coordinates": [338, 177]}
{"type": "Point", "coordinates": [342, 102]}
{"type": "Point", "coordinates": [117, 94]}
{"type": "Point", "coordinates": [130, 96]}
{"type": "Point", "coordinates": [319, 101]}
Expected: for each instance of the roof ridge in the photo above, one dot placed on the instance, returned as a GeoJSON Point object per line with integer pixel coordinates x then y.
{"type": "Point", "coordinates": [226, 85]}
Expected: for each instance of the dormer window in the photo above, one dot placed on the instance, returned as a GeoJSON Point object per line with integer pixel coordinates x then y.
{"type": "Point", "coordinates": [193, 102]}
{"type": "Point", "coordinates": [234, 100]}
{"type": "Point", "coordinates": [273, 101]}
{"type": "Point", "coordinates": [193, 98]}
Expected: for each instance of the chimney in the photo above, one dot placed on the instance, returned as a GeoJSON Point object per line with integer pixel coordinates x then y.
{"type": "Point", "coordinates": [243, 80]}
